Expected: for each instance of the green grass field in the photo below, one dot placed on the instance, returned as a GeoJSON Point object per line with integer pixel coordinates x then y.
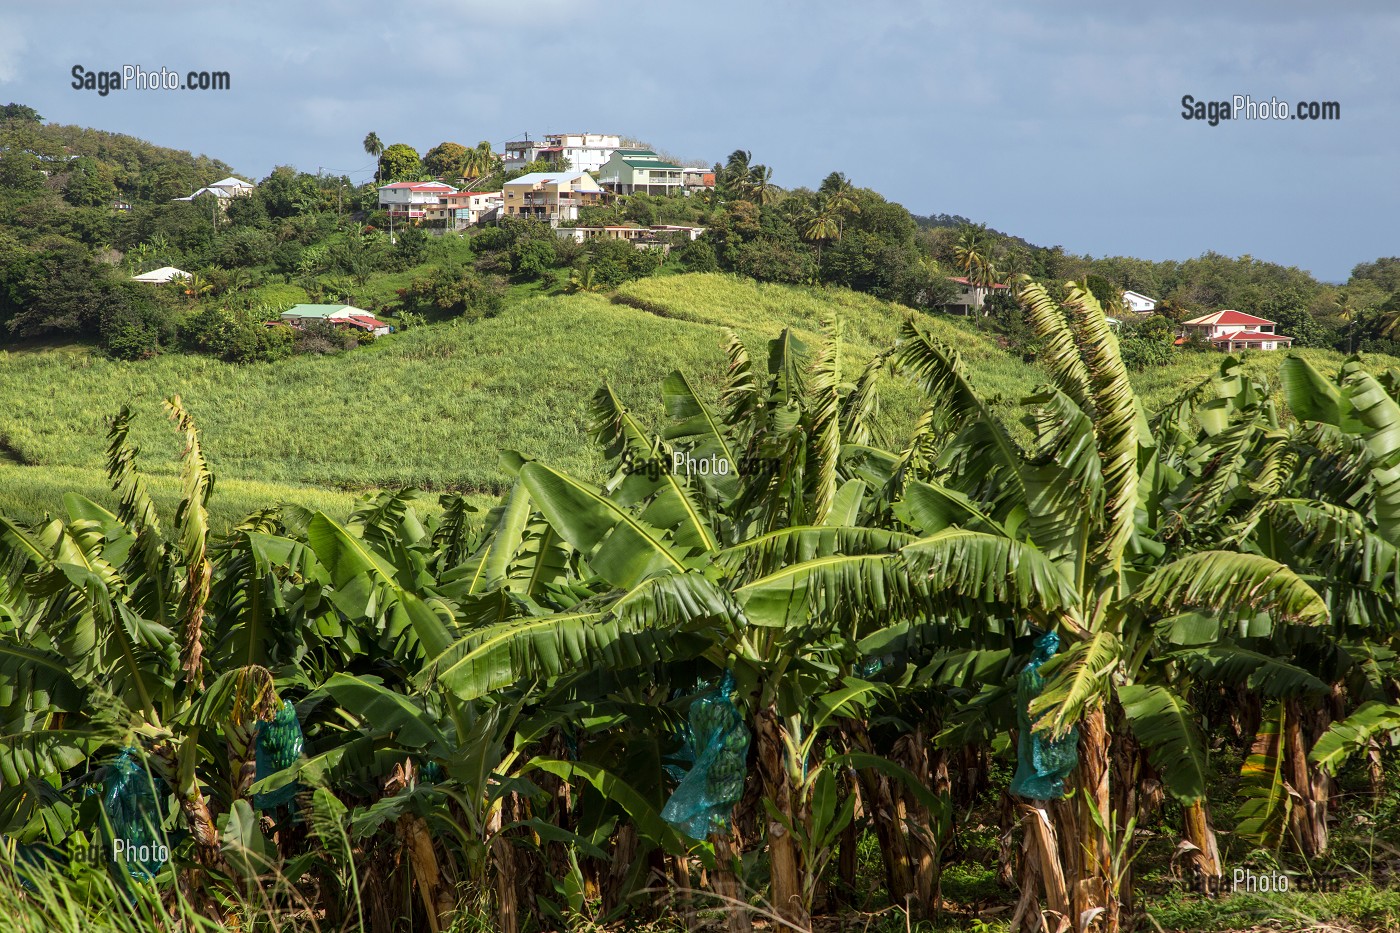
{"type": "Point", "coordinates": [432, 406]}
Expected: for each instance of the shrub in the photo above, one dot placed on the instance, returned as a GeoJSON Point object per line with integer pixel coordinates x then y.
{"type": "Point", "coordinates": [236, 335]}
{"type": "Point", "coordinates": [452, 291]}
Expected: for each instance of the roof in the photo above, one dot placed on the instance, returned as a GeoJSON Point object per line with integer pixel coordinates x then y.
{"type": "Point", "coordinates": [1227, 317]}
{"type": "Point", "coordinates": [326, 311]}
{"type": "Point", "coordinates": [231, 182]}
{"type": "Point", "coordinates": [163, 274]}
{"type": "Point", "coordinates": [1138, 295]}
{"type": "Point", "coordinates": [366, 320]}
{"type": "Point", "coordinates": [1249, 336]}
{"type": "Point", "coordinates": [431, 185]}
{"type": "Point", "coordinates": [650, 163]}
{"type": "Point", "coordinates": [546, 178]}
{"type": "Point", "coordinates": [962, 280]}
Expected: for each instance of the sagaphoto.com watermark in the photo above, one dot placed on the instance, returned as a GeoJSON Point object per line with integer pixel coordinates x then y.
{"type": "Point", "coordinates": [134, 77]}
{"type": "Point", "coordinates": [1245, 107]}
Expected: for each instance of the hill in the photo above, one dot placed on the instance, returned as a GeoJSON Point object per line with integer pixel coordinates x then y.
{"type": "Point", "coordinates": [432, 406]}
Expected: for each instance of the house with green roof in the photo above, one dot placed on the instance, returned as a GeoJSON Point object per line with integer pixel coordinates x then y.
{"type": "Point", "coordinates": [336, 316]}
{"type": "Point", "coordinates": [629, 171]}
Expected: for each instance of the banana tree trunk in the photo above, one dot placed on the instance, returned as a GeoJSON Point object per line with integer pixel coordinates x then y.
{"type": "Point", "coordinates": [200, 822]}
{"type": "Point", "coordinates": [1207, 855]}
{"type": "Point", "coordinates": [912, 752]}
{"type": "Point", "coordinates": [725, 883]}
{"type": "Point", "coordinates": [615, 871]}
{"type": "Point", "coordinates": [877, 794]}
{"type": "Point", "coordinates": [785, 869]}
{"type": "Point", "coordinates": [1308, 818]}
{"type": "Point", "coordinates": [503, 872]}
{"type": "Point", "coordinates": [1091, 898]}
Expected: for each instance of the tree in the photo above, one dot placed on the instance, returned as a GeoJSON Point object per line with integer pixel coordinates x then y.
{"type": "Point", "coordinates": [374, 149]}
{"type": "Point", "coordinates": [481, 161]}
{"type": "Point", "coordinates": [400, 162]}
{"type": "Point", "coordinates": [448, 160]}
{"type": "Point", "coordinates": [19, 113]}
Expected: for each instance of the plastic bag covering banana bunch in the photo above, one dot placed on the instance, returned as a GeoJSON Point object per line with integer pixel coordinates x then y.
{"type": "Point", "coordinates": [1041, 764]}
{"type": "Point", "coordinates": [278, 747]}
{"type": "Point", "coordinates": [129, 797]}
{"type": "Point", "coordinates": [718, 741]}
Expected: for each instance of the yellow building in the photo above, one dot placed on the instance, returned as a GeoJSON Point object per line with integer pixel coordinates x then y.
{"type": "Point", "coordinates": [550, 196]}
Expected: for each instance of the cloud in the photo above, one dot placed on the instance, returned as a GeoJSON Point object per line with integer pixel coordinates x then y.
{"type": "Point", "coordinates": [12, 46]}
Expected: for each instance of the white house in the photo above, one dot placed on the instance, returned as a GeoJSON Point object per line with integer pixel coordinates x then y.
{"type": "Point", "coordinates": [465, 208]}
{"type": "Point", "coordinates": [971, 298]}
{"type": "Point", "coordinates": [583, 152]}
{"type": "Point", "coordinates": [161, 276]}
{"type": "Point", "coordinates": [413, 198]}
{"type": "Point", "coordinates": [1234, 330]}
{"type": "Point", "coordinates": [1139, 303]}
{"type": "Point", "coordinates": [635, 233]}
{"type": "Point", "coordinates": [336, 316]}
{"type": "Point", "coordinates": [223, 190]}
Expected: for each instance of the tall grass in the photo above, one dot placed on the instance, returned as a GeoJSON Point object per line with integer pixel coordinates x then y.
{"type": "Point", "coordinates": [27, 493]}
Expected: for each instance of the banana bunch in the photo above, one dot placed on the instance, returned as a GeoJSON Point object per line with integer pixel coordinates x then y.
{"type": "Point", "coordinates": [279, 745]}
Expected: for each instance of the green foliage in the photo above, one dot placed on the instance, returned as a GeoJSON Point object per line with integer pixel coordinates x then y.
{"type": "Point", "coordinates": [451, 291]}
{"type": "Point", "coordinates": [236, 335]}
{"type": "Point", "coordinates": [400, 162]}
{"type": "Point", "coordinates": [446, 159]}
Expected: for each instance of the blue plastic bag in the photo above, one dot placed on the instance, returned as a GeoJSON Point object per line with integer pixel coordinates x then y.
{"type": "Point", "coordinates": [717, 742]}
{"type": "Point", "coordinates": [129, 797]}
{"type": "Point", "coordinates": [1041, 764]}
{"type": "Point", "coordinates": [278, 746]}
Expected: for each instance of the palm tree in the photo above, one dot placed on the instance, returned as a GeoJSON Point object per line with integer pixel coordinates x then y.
{"type": "Point", "coordinates": [973, 257]}
{"type": "Point", "coordinates": [821, 224]}
{"type": "Point", "coordinates": [374, 148]}
{"type": "Point", "coordinates": [760, 187]}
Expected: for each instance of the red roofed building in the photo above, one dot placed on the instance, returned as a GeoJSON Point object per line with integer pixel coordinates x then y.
{"type": "Point", "coordinates": [971, 298]}
{"type": "Point", "coordinates": [1235, 330]}
{"type": "Point", "coordinates": [412, 198]}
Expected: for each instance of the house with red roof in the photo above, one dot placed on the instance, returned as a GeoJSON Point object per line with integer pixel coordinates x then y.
{"type": "Point", "coordinates": [299, 316]}
{"type": "Point", "coordinates": [971, 298]}
{"type": "Point", "coordinates": [412, 199]}
{"type": "Point", "coordinates": [1234, 330]}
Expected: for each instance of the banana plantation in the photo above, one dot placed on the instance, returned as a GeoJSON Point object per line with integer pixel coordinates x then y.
{"type": "Point", "coordinates": [1037, 636]}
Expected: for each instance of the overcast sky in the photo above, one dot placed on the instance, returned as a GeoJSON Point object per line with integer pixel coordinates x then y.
{"type": "Point", "coordinates": [1058, 122]}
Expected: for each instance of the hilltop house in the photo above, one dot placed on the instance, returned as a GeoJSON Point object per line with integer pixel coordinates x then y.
{"type": "Point", "coordinates": [584, 152]}
{"type": "Point", "coordinates": [1139, 303]}
{"type": "Point", "coordinates": [161, 276]}
{"type": "Point", "coordinates": [692, 177]}
{"type": "Point", "coordinates": [337, 316]}
{"type": "Point", "coordinates": [463, 209]}
{"type": "Point", "coordinates": [223, 190]}
{"type": "Point", "coordinates": [971, 298]}
{"type": "Point", "coordinates": [629, 171]}
{"type": "Point", "coordinates": [1234, 330]}
{"type": "Point", "coordinates": [550, 196]}
{"type": "Point", "coordinates": [639, 236]}
{"type": "Point", "coordinates": [411, 199]}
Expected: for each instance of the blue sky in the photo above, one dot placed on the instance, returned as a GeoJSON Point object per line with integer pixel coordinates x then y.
{"type": "Point", "coordinates": [1059, 122]}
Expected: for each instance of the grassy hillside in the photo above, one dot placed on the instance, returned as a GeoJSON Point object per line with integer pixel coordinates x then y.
{"type": "Point", "coordinates": [432, 406]}
{"type": "Point", "coordinates": [429, 407]}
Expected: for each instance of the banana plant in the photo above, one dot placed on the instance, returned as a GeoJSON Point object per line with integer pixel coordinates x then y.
{"type": "Point", "coordinates": [1059, 544]}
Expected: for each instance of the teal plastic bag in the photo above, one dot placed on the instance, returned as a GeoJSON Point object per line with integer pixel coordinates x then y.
{"type": "Point", "coordinates": [129, 797]}
{"type": "Point", "coordinates": [1041, 764]}
{"type": "Point", "coordinates": [717, 742]}
{"type": "Point", "coordinates": [278, 746]}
